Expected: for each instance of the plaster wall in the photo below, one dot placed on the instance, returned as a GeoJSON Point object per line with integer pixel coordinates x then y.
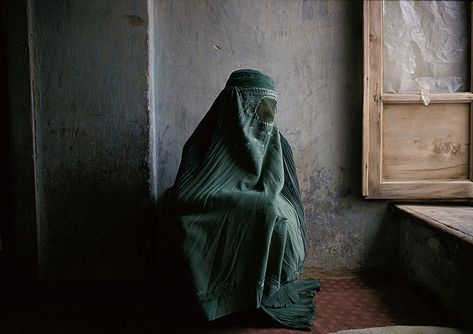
{"type": "Point", "coordinates": [89, 74]}
{"type": "Point", "coordinates": [103, 95]}
{"type": "Point", "coordinates": [313, 50]}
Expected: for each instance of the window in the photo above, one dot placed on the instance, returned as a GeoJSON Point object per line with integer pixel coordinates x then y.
{"type": "Point", "coordinates": [417, 114]}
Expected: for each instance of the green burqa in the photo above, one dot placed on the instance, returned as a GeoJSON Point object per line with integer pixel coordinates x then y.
{"type": "Point", "coordinates": [237, 204]}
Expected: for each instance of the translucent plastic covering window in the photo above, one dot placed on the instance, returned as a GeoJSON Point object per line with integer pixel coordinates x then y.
{"type": "Point", "coordinates": [425, 47]}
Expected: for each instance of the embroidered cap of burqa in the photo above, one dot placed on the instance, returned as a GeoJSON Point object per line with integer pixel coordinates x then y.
{"type": "Point", "coordinates": [238, 207]}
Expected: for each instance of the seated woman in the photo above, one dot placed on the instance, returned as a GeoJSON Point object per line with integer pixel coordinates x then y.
{"type": "Point", "coordinates": [237, 208]}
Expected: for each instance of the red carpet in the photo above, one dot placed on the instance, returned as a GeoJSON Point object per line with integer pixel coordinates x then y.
{"type": "Point", "coordinates": [349, 303]}
{"type": "Point", "coordinates": [362, 303]}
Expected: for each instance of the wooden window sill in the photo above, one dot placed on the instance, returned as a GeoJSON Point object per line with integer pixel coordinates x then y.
{"type": "Point", "coordinates": [452, 219]}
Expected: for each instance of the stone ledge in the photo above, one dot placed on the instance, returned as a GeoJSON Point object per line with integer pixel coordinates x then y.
{"type": "Point", "coordinates": [436, 252]}
{"type": "Point", "coordinates": [452, 219]}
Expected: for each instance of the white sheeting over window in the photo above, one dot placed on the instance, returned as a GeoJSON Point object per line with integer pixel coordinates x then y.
{"type": "Point", "coordinates": [425, 46]}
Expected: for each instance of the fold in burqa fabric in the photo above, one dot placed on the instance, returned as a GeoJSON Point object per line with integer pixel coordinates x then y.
{"type": "Point", "coordinates": [234, 214]}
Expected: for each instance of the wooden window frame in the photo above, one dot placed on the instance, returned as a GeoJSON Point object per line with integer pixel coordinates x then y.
{"type": "Point", "coordinates": [373, 186]}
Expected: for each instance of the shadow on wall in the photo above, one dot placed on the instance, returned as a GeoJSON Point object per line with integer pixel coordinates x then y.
{"type": "Point", "coordinates": [6, 192]}
{"type": "Point", "coordinates": [384, 247]}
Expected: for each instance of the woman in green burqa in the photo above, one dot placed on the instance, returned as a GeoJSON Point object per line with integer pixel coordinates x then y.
{"type": "Point", "coordinates": [237, 208]}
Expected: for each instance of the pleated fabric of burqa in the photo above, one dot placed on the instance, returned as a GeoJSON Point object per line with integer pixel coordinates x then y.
{"type": "Point", "coordinates": [237, 206]}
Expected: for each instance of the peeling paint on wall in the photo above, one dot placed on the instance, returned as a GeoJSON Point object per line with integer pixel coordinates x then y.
{"type": "Point", "coordinates": [135, 20]}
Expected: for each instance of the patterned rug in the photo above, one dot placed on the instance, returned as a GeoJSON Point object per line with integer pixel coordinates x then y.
{"type": "Point", "coordinates": [342, 304]}
{"type": "Point", "coordinates": [351, 303]}
{"type": "Point", "coordinates": [405, 330]}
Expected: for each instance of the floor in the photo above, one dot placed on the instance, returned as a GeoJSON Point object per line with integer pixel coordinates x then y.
{"type": "Point", "coordinates": [362, 303]}
{"type": "Point", "coordinates": [343, 303]}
